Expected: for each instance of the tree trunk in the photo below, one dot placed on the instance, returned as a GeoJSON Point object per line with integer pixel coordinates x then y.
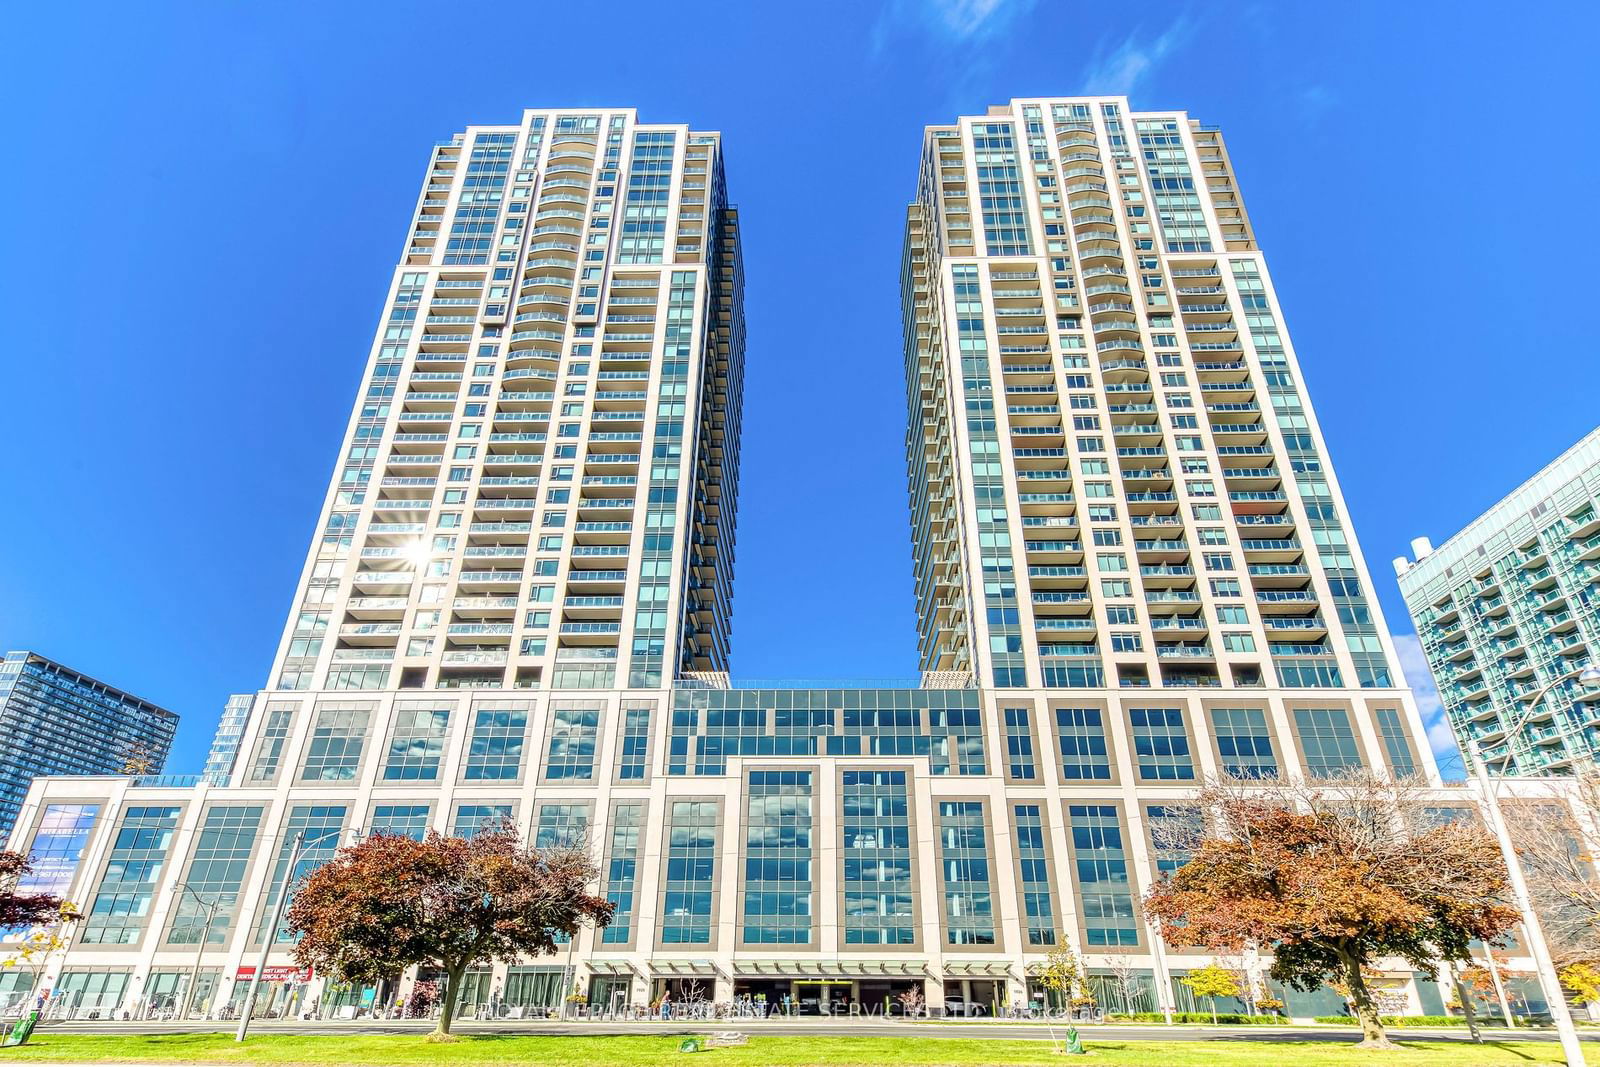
{"type": "Point", "coordinates": [1213, 1010]}
{"type": "Point", "coordinates": [447, 1004]}
{"type": "Point", "coordinates": [1468, 1012]}
{"type": "Point", "coordinates": [1372, 1032]}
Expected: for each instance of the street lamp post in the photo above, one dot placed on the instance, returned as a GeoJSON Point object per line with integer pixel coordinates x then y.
{"type": "Point", "coordinates": [211, 909]}
{"type": "Point", "coordinates": [270, 936]}
{"type": "Point", "coordinates": [1588, 678]}
{"type": "Point", "coordinates": [569, 975]}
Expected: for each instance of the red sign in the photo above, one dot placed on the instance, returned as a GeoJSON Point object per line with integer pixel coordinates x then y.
{"type": "Point", "coordinates": [277, 974]}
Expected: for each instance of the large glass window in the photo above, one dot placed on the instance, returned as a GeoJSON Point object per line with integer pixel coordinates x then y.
{"type": "Point", "coordinates": [274, 735]}
{"type": "Point", "coordinates": [1104, 894]}
{"type": "Point", "coordinates": [321, 825]}
{"type": "Point", "coordinates": [334, 752]}
{"type": "Point", "coordinates": [1244, 742]}
{"type": "Point", "coordinates": [1161, 745]}
{"type": "Point", "coordinates": [402, 820]}
{"type": "Point", "coordinates": [1019, 744]}
{"type": "Point", "coordinates": [15, 985]}
{"type": "Point", "coordinates": [473, 819]}
{"type": "Point", "coordinates": [573, 727]}
{"type": "Point", "coordinates": [622, 871]}
{"type": "Point", "coordinates": [1396, 743]}
{"type": "Point", "coordinates": [1174, 829]}
{"type": "Point", "coordinates": [1034, 868]}
{"type": "Point", "coordinates": [691, 862]}
{"type": "Point", "coordinates": [710, 726]}
{"type": "Point", "coordinates": [417, 744]}
{"type": "Point", "coordinates": [1000, 195]}
{"type": "Point", "coordinates": [1082, 735]}
{"type": "Point", "coordinates": [635, 751]}
{"type": "Point", "coordinates": [122, 903]}
{"type": "Point", "coordinates": [222, 851]}
{"type": "Point", "coordinates": [494, 753]}
{"type": "Point", "coordinates": [777, 862]}
{"type": "Point", "coordinates": [535, 987]}
{"type": "Point", "coordinates": [562, 826]}
{"type": "Point", "coordinates": [878, 904]}
{"type": "Point", "coordinates": [964, 860]}
{"type": "Point", "coordinates": [92, 994]}
{"type": "Point", "coordinates": [1327, 741]}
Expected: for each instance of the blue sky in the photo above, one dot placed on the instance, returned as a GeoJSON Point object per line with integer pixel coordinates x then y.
{"type": "Point", "coordinates": [206, 202]}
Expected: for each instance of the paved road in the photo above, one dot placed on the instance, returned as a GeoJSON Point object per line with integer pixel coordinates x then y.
{"type": "Point", "coordinates": [809, 1028]}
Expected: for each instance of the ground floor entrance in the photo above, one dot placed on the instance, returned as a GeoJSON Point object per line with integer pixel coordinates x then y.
{"type": "Point", "coordinates": [975, 997]}
{"type": "Point", "coordinates": [823, 996]}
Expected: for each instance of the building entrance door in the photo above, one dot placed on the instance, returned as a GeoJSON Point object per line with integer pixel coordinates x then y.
{"type": "Point", "coordinates": [882, 996]}
{"type": "Point", "coordinates": [824, 997]}
{"type": "Point", "coordinates": [776, 994]}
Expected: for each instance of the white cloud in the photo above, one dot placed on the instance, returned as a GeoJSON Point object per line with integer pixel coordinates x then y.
{"type": "Point", "coordinates": [965, 18]}
{"type": "Point", "coordinates": [1415, 665]}
{"type": "Point", "coordinates": [951, 21]}
{"type": "Point", "coordinates": [1118, 71]}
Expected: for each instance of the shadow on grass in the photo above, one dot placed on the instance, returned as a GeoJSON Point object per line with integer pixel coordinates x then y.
{"type": "Point", "coordinates": [1404, 1040]}
{"type": "Point", "coordinates": [1412, 1044]}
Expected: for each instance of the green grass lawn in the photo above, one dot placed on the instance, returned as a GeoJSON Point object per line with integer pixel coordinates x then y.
{"type": "Point", "coordinates": [630, 1051]}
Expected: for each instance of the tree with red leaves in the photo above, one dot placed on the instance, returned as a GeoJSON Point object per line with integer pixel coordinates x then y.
{"type": "Point", "coordinates": [389, 902]}
{"type": "Point", "coordinates": [1332, 877]}
{"type": "Point", "coordinates": [26, 909]}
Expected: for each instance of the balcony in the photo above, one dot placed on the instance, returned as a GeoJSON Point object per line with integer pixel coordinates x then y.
{"type": "Point", "coordinates": [1271, 575]}
{"type": "Point", "coordinates": [491, 578]}
{"type": "Point", "coordinates": [595, 576]}
{"type": "Point", "coordinates": [1069, 597]}
{"type": "Point", "coordinates": [1165, 550]}
{"type": "Point", "coordinates": [1052, 549]}
{"type": "Point", "coordinates": [1051, 575]}
{"type": "Point", "coordinates": [1280, 600]}
{"type": "Point", "coordinates": [484, 605]}
{"type": "Point", "coordinates": [583, 630]}
{"type": "Point", "coordinates": [1267, 549]}
{"type": "Point", "coordinates": [475, 658]}
{"type": "Point", "coordinates": [364, 631]}
{"type": "Point", "coordinates": [1185, 652]}
{"type": "Point", "coordinates": [1162, 624]}
{"type": "Point", "coordinates": [1058, 623]}
{"type": "Point", "coordinates": [383, 579]}
{"type": "Point", "coordinates": [496, 551]}
{"type": "Point", "coordinates": [606, 603]}
{"type": "Point", "coordinates": [1295, 625]}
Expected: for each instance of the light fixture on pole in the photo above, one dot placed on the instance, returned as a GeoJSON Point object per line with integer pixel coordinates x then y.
{"type": "Point", "coordinates": [211, 909]}
{"type": "Point", "coordinates": [1588, 678]}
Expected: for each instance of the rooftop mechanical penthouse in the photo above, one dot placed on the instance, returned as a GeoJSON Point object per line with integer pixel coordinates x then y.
{"type": "Point", "coordinates": [1133, 568]}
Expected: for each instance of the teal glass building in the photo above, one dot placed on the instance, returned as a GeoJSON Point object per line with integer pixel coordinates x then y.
{"type": "Point", "coordinates": [55, 720]}
{"type": "Point", "coordinates": [1510, 606]}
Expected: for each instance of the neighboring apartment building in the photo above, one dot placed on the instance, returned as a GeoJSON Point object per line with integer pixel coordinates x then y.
{"type": "Point", "coordinates": [224, 752]}
{"type": "Point", "coordinates": [517, 599]}
{"type": "Point", "coordinates": [1507, 607]}
{"type": "Point", "coordinates": [55, 720]}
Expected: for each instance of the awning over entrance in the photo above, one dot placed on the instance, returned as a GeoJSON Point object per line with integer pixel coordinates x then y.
{"type": "Point", "coordinates": [701, 968]}
{"type": "Point", "coordinates": [610, 967]}
{"type": "Point", "coordinates": [827, 968]}
{"type": "Point", "coordinates": [977, 968]}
